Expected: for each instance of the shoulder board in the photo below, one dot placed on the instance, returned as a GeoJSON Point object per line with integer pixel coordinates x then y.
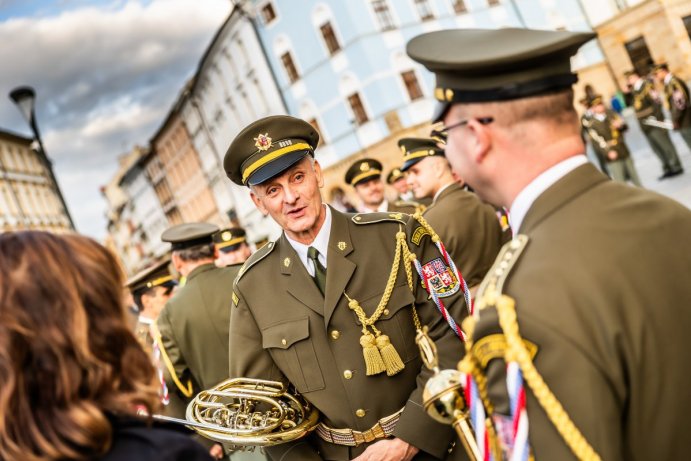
{"type": "Point", "coordinates": [492, 285]}
{"type": "Point", "coordinates": [257, 256]}
{"type": "Point", "coordinates": [371, 218]}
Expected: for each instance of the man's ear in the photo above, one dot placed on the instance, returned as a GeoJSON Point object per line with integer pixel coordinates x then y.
{"type": "Point", "coordinates": [318, 172]}
{"type": "Point", "coordinates": [258, 203]}
{"type": "Point", "coordinates": [479, 140]}
{"type": "Point", "coordinates": [177, 261]}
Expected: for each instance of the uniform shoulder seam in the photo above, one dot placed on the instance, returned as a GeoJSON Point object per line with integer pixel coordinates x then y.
{"type": "Point", "coordinates": [260, 254]}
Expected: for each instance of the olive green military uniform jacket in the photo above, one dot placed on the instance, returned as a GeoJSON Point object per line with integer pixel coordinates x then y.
{"type": "Point", "coordinates": [400, 206]}
{"type": "Point", "coordinates": [606, 137]}
{"type": "Point", "coordinates": [602, 291]}
{"type": "Point", "coordinates": [194, 327]}
{"type": "Point", "coordinates": [283, 329]}
{"type": "Point", "coordinates": [679, 101]}
{"type": "Point", "coordinates": [469, 229]}
{"type": "Point", "coordinates": [646, 103]}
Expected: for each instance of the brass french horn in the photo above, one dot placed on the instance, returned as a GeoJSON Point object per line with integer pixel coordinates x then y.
{"type": "Point", "coordinates": [245, 412]}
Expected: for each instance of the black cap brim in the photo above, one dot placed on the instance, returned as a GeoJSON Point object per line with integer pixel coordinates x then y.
{"type": "Point", "coordinates": [276, 167]}
{"type": "Point", "coordinates": [407, 164]}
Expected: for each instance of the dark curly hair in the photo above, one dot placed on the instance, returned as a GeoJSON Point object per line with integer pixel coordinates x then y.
{"type": "Point", "coordinates": [68, 359]}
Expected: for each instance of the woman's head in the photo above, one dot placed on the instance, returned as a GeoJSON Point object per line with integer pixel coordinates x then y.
{"type": "Point", "coordinates": [67, 356]}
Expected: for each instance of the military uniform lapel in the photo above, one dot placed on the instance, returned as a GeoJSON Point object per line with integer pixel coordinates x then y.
{"type": "Point", "coordinates": [566, 189]}
{"type": "Point", "coordinates": [301, 285]}
{"type": "Point", "coordinates": [339, 269]}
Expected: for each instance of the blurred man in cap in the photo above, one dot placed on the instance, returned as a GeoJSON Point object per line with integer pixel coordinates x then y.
{"type": "Point", "coordinates": [232, 246]}
{"type": "Point", "coordinates": [328, 308]}
{"type": "Point", "coordinates": [193, 326]}
{"type": "Point", "coordinates": [648, 107]}
{"type": "Point", "coordinates": [606, 132]}
{"type": "Point", "coordinates": [678, 100]}
{"type": "Point", "coordinates": [469, 228]}
{"type": "Point", "coordinates": [396, 179]}
{"type": "Point", "coordinates": [365, 177]}
{"type": "Point", "coordinates": [582, 310]}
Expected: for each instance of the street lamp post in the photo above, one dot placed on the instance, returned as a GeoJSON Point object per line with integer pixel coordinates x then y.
{"type": "Point", "coordinates": [24, 97]}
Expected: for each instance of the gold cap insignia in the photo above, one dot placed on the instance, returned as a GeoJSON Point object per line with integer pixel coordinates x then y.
{"type": "Point", "coordinates": [403, 149]}
{"type": "Point", "coordinates": [448, 93]}
{"type": "Point", "coordinates": [226, 236]}
{"type": "Point", "coordinates": [262, 141]}
{"type": "Point", "coordinates": [342, 246]}
{"type": "Point", "coordinates": [286, 262]}
{"type": "Point", "coordinates": [364, 166]}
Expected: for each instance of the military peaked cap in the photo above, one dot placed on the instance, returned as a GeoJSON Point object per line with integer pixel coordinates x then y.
{"type": "Point", "coordinates": [230, 239]}
{"type": "Point", "coordinates": [394, 175]}
{"type": "Point", "coordinates": [481, 65]}
{"type": "Point", "coordinates": [363, 170]}
{"type": "Point", "coordinates": [268, 147]}
{"type": "Point", "coordinates": [415, 149]}
{"type": "Point", "coordinates": [153, 276]}
{"type": "Point", "coordinates": [189, 234]}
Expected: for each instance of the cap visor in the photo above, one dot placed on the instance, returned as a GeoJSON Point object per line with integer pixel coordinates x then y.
{"type": "Point", "coordinates": [440, 111]}
{"type": "Point", "coordinates": [276, 167]}
{"type": "Point", "coordinates": [406, 165]}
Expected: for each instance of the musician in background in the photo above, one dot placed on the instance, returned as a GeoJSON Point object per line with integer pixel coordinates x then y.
{"type": "Point", "coordinates": [648, 107]}
{"type": "Point", "coordinates": [606, 132]}
{"type": "Point", "coordinates": [678, 100]}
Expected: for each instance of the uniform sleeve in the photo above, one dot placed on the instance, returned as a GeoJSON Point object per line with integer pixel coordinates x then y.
{"type": "Point", "coordinates": [171, 355]}
{"type": "Point", "coordinates": [249, 359]}
{"type": "Point", "coordinates": [415, 426]}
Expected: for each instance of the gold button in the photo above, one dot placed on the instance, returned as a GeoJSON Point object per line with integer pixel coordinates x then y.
{"type": "Point", "coordinates": [335, 334]}
{"type": "Point", "coordinates": [347, 374]}
{"type": "Point", "coordinates": [284, 342]}
{"type": "Point", "coordinates": [360, 413]}
{"type": "Point", "coordinates": [386, 312]}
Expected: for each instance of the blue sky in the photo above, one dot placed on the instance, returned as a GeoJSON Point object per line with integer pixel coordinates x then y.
{"type": "Point", "coordinates": [106, 74]}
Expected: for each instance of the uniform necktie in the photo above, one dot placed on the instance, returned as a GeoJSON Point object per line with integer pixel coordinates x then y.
{"type": "Point", "coordinates": [319, 270]}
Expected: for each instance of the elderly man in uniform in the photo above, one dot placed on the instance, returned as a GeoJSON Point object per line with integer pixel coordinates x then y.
{"type": "Point", "coordinates": [678, 100]}
{"type": "Point", "coordinates": [648, 107]}
{"type": "Point", "coordinates": [469, 228]}
{"type": "Point", "coordinates": [193, 326]}
{"type": "Point", "coordinates": [365, 177]}
{"type": "Point", "coordinates": [585, 311]}
{"type": "Point", "coordinates": [232, 246]}
{"type": "Point", "coordinates": [329, 307]}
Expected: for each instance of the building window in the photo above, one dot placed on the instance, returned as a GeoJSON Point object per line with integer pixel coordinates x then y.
{"type": "Point", "coordinates": [330, 38]}
{"type": "Point", "coordinates": [383, 15]}
{"type": "Point", "coordinates": [493, 2]}
{"type": "Point", "coordinates": [268, 13]}
{"type": "Point", "coordinates": [687, 24]}
{"type": "Point", "coordinates": [359, 113]}
{"type": "Point", "coordinates": [640, 55]}
{"type": "Point", "coordinates": [424, 9]}
{"type": "Point", "coordinates": [459, 6]}
{"type": "Point", "coordinates": [412, 86]}
{"type": "Point", "coordinates": [315, 125]}
{"type": "Point", "coordinates": [289, 66]}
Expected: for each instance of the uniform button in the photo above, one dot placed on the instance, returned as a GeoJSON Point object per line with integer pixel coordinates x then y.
{"type": "Point", "coordinates": [347, 374]}
{"type": "Point", "coordinates": [386, 312]}
{"type": "Point", "coordinates": [360, 413]}
{"type": "Point", "coordinates": [335, 334]}
{"type": "Point", "coordinates": [284, 342]}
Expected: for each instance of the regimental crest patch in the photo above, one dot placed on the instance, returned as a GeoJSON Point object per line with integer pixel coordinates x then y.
{"type": "Point", "coordinates": [441, 278]}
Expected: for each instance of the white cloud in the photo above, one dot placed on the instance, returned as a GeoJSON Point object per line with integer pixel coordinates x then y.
{"type": "Point", "coordinates": [105, 79]}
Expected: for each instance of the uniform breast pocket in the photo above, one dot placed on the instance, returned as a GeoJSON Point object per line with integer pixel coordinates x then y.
{"type": "Point", "coordinates": [289, 344]}
{"type": "Point", "coordinates": [397, 321]}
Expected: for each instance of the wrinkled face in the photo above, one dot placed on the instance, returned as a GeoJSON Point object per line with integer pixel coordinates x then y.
{"type": "Point", "coordinates": [401, 185]}
{"type": "Point", "coordinates": [371, 192]}
{"type": "Point", "coordinates": [422, 178]}
{"type": "Point", "coordinates": [293, 199]}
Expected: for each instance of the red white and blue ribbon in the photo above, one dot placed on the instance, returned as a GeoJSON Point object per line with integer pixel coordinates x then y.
{"type": "Point", "coordinates": [163, 391]}
{"type": "Point", "coordinates": [519, 450]}
{"type": "Point", "coordinates": [477, 418]}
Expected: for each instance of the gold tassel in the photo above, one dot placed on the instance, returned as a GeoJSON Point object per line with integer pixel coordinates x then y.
{"type": "Point", "coordinates": [373, 359]}
{"type": "Point", "coordinates": [392, 361]}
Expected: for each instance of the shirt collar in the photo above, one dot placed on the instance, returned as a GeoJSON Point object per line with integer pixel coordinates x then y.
{"type": "Point", "coordinates": [145, 320]}
{"type": "Point", "coordinates": [443, 188]}
{"type": "Point", "coordinates": [382, 208]}
{"type": "Point", "coordinates": [524, 200]}
{"type": "Point", "coordinates": [320, 242]}
{"type": "Point", "coordinates": [639, 83]}
{"type": "Point", "coordinates": [668, 78]}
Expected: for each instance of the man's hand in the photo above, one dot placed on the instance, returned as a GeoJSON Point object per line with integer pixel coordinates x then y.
{"type": "Point", "coordinates": [388, 450]}
{"type": "Point", "coordinates": [216, 452]}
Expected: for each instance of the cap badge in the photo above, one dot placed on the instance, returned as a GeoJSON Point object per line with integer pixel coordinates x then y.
{"type": "Point", "coordinates": [226, 236]}
{"type": "Point", "coordinates": [403, 149]}
{"type": "Point", "coordinates": [262, 141]}
{"type": "Point", "coordinates": [286, 262]}
{"type": "Point", "coordinates": [342, 246]}
{"type": "Point", "coordinates": [364, 167]}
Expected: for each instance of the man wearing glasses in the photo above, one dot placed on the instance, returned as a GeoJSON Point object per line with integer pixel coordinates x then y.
{"type": "Point", "coordinates": [469, 228]}
{"type": "Point", "coordinates": [586, 310]}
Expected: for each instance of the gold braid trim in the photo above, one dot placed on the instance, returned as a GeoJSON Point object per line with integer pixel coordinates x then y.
{"type": "Point", "coordinates": [506, 310]}
{"type": "Point", "coordinates": [187, 391]}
